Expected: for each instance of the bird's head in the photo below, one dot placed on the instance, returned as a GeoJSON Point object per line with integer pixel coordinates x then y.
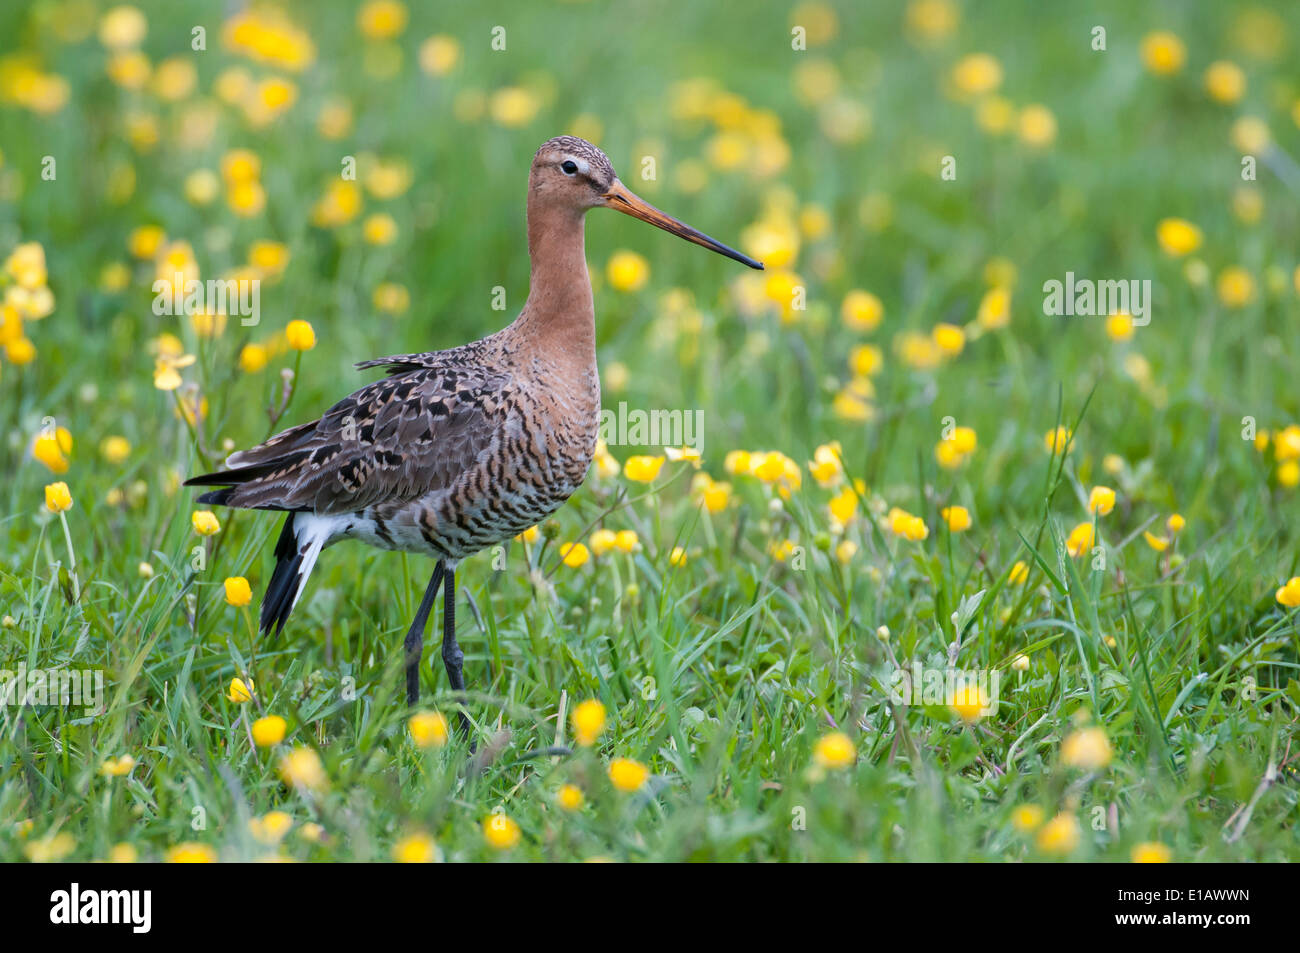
{"type": "Point", "coordinates": [572, 172]}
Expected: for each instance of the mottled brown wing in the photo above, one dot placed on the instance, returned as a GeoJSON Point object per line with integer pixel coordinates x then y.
{"type": "Point", "coordinates": [394, 440]}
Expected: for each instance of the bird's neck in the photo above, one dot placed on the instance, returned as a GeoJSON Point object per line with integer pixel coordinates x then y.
{"type": "Point", "coordinates": [559, 316]}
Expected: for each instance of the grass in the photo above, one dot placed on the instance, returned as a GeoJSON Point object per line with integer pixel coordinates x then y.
{"type": "Point", "coordinates": [724, 674]}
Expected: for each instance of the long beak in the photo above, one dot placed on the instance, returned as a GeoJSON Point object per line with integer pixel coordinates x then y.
{"type": "Point", "coordinates": [619, 197]}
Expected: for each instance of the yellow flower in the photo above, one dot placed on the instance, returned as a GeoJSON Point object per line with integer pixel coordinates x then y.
{"type": "Point", "coordinates": [1236, 287]}
{"type": "Point", "coordinates": [1027, 817]}
{"type": "Point", "coordinates": [122, 27]}
{"type": "Point", "coordinates": [190, 852]}
{"type": "Point", "coordinates": [1087, 748]}
{"type": "Point", "coordinates": [1019, 574]}
{"type": "Point", "coordinates": [574, 554]}
{"type": "Point", "coordinates": [1289, 595]}
{"type": "Point", "coordinates": [1178, 237]}
{"type": "Point", "coordinates": [846, 550]}
{"type": "Point", "coordinates": [240, 691]}
{"type": "Point", "coordinates": [949, 338]}
{"type": "Point", "coordinates": [1060, 835]}
{"type": "Point", "coordinates": [238, 592]}
{"type": "Point", "coordinates": [865, 360]}
{"type": "Point", "coordinates": [20, 351]}
{"type": "Point", "coordinates": [439, 55]}
{"type": "Point", "coordinates": [115, 449]}
{"type": "Point", "coordinates": [205, 522]}
{"type": "Point", "coordinates": [862, 311]}
{"type": "Point", "coordinates": [977, 75]}
{"type": "Point", "coordinates": [145, 241]}
{"type": "Point", "coordinates": [1058, 440]}
{"type": "Point", "coordinates": [269, 731]}
{"type": "Point", "coordinates": [268, 257]}
{"type": "Point", "coordinates": [626, 541]}
{"type": "Point", "coordinates": [428, 729]}
{"type": "Point", "coordinates": [825, 465]}
{"type": "Point", "coordinates": [312, 832]}
{"type": "Point", "coordinates": [628, 775]}
{"type": "Point", "coordinates": [252, 358]}
{"type": "Point", "coordinates": [903, 523]}
{"type": "Point", "coordinates": [1037, 126]}
{"type": "Point", "coordinates": [271, 827]}
{"type": "Point", "coordinates": [834, 750]}
{"type": "Point", "coordinates": [415, 849]}
{"type": "Point", "coordinates": [588, 721]}
{"type": "Point", "coordinates": [995, 309]}
{"type": "Point", "coordinates": [1225, 82]}
{"type": "Point", "coordinates": [642, 469]}
{"type": "Point", "coordinates": [968, 701]}
{"type": "Point", "coordinates": [844, 505]}
{"type": "Point", "coordinates": [501, 831]}
{"type": "Point", "coordinates": [301, 769]}
{"type": "Point", "coordinates": [932, 20]}
{"type": "Point", "coordinates": [677, 557]}
{"type": "Point", "coordinates": [1101, 500]}
{"type": "Point", "coordinates": [957, 518]}
{"type": "Point", "coordinates": [1157, 543]}
{"type": "Point", "coordinates": [1151, 852]}
{"type": "Point", "coordinates": [1286, 445]}
{"type": "Point", "coordinates": [166, 370]}
{"type": "Point", "coordinates": [1250, 135]}
{"type": "Point", "coordinates": [117, 767]}
{"type": "Point", "coordinates": [530, 535]}
{"type": "Point", "coordinates": [1021, 663]}
{"type": "Point", "coordinates": [381, 19]}
{"type": "Point", "coordinates": [392, 297]}
{"type": "Point", "coordinates": [956, 448]}
{"type": "Point", "coordinates": [58, 498]}
{"type": "Point", "coordinates": [627, 271]}
{"type": "Point", "coordinates": [1080, 539]}
{"type": "Point", "coordinates": [123, 853]}
{"type": "Point", "coordinates": [716, 496]}
{"type": "Point", "coordinates": [1120, 326]}
{"type": "Point", "coordinates": [514, 106]}
{"type": "Point", "coordinates": [738, 462]}
{"type": "Point", "coordinates": [300, 336]}
{"type": "Point", "coordinates": [1288, 474]}
{"type": "Point", "coordinates": [380, 229]}
{"type": "Point", "coordinates": [602, 541]}
{"type": "Point", "coordinates": [1163, 53]}
{"type": "Point", "coordinates": [1175, 523]}
{"type": "Point", "coordinates": [50, 848]}
{"type": "Point", "coordinates": [569, 797]}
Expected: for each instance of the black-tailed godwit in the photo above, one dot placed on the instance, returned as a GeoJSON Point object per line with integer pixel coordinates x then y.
{"type": "Point", "coordinates": [455, 451]}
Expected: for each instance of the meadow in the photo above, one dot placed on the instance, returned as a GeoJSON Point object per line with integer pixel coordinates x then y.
{"type": "Point", "coordinates": [906, 462]}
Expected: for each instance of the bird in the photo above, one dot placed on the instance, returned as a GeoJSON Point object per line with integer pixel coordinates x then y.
{"type": "Point", "coordinates": [454, 451]}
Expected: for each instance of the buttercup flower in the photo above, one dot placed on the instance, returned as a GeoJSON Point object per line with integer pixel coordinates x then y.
{"type": "Point", "coordinates": [628, 775]}
{"type": "Point", "coordinates": [835, 750]}
{"type": "Point", "coordinates": [238, 592]}
{"type": "Point", "coordinates": [1087, 748]}
{"type": "Point", "coordinates": [588, 721]}
{"type": "Point", "coordinates": [428, 729]}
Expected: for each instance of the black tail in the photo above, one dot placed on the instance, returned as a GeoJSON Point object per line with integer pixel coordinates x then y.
{"type": "Point", "coordinates": [282, 590]}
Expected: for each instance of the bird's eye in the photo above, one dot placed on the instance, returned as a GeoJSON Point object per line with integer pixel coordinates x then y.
{"type": "Point", "coordinates": [569, 166]}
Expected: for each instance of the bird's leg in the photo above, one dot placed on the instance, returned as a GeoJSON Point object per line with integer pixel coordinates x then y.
{"type": "Point", "coordinates": [452, 656]}
{"type": "Point", "coordinates": [415, 635]}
